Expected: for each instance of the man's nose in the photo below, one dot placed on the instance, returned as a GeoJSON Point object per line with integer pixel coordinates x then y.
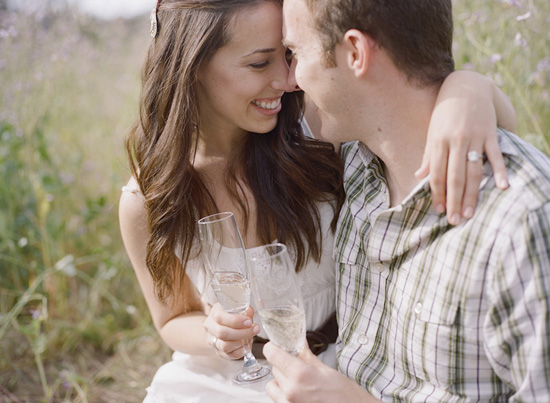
{"type": "Point", "coordinates": [292, 83]}
{"type": "Point", "coordinates": [285, 79]}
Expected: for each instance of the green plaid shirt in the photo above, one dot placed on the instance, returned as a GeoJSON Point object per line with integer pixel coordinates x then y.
{"type": "Point", "coordinates": [432, 312]}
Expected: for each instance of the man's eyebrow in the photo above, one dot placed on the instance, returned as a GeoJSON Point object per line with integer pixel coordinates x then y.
{"type": "Point", "coordinates": [266, 50]}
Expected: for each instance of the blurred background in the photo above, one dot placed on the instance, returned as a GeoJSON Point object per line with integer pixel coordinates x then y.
{"type": "Point", "coordinates": [73, 324]}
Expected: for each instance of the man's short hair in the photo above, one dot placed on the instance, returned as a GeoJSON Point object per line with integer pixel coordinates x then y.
{"type": "Point", "coordinates": [417, 34]}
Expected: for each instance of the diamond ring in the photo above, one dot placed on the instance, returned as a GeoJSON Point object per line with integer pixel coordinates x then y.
{"type": "Point", "coordinates": [473, 156]}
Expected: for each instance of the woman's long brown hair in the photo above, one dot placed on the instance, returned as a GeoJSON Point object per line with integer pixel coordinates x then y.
{"type": "Point", "coordinates": [286, 172]}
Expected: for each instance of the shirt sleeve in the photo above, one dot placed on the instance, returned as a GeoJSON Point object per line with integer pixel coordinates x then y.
{"type": "Point", "coordinates": [517, 326]}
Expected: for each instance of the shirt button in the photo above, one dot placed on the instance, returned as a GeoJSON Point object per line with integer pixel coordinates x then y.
{"type": "Point", "coordinates": [362, 340]}
{"type": "Point", "coordinates": [418, 308]}
{"type": "Point", "coordinates": [379, 267]}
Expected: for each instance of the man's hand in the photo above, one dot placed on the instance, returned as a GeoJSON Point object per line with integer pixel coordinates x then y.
{"type": "Point", "coordinates": [305, 379]}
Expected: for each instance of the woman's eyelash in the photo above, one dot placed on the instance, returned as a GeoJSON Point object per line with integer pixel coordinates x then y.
{"type": "Point", "coordinates": [259, 65]}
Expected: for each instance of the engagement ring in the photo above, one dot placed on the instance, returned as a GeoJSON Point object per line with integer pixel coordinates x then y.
{"type": "Point", "coordinates": [474, 156]}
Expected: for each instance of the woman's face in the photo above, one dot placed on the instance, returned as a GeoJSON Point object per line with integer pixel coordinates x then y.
{"type": "Point", "coordinates": [240, 88]}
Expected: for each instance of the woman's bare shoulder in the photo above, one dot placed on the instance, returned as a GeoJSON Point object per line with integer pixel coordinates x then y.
{"type": "Point", "coordinates": [131, 209]}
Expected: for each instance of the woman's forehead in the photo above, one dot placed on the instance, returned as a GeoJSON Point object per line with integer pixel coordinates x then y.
{"type": "Point", "coordinates": [258, 26]}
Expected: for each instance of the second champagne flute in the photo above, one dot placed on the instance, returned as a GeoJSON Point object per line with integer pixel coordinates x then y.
{"type": "Point", "coordinates": [225, 258]}
{"type": "Point", "coordinates": [278, 297]}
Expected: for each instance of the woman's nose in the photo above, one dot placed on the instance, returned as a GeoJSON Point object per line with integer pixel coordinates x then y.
{"type": "Point", "coordinates": [285, 80]}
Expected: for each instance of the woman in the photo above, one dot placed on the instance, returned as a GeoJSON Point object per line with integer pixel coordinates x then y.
{"type": "Point", "coordinates": [219, 131]}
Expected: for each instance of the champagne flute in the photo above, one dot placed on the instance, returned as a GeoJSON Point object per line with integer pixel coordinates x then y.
{"type": "Point", "coordinates": [278, 297]}
{"type": "Point", "coordinates": [225, 258]}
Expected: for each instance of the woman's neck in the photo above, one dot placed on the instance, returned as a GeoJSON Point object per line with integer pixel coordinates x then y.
{"type": "Point", "coordinates": [215, 156]}
{"type": "Point", "coordinates": [218, 142]}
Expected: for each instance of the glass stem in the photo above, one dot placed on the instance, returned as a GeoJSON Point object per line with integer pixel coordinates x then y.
{"type": "Point", "coordinates": [250, 362]}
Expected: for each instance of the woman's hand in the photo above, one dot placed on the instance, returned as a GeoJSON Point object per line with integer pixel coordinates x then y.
{"type": "Point", "coordinates": [226, 331]}
{"type": "Point", "coordinates": [464, 120]}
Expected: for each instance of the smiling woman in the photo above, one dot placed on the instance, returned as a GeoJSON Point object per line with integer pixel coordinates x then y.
{"type": "Point", "coordinates": [241, 86]}
{"type": "Point", "coordinates": [219, 131]}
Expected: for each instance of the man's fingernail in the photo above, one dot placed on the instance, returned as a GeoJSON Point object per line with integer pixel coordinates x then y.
{"type": "Point", "coordinates": [468, 212]}
{"type": "Point", "coordinates": [247, 322]}
{"type": "Point", "coordinates": [440, 208]}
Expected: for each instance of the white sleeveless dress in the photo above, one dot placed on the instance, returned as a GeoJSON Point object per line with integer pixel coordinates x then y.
{"type": "Point", "coordinates": [193, 379]}
{"type": "Point", "coordinates": [199, 379]}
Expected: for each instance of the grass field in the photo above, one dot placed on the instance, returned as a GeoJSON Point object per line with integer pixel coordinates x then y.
{"type": "Point", "coordinates": [73, 324]}
{"type": "Point", "coordinates": [72, 315]}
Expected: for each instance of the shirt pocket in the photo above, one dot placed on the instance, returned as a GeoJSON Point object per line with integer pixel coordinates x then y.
{"type": "Point", "coordinates": [433, 337]}
{"type": "Point", "coordinates": [347, 304]}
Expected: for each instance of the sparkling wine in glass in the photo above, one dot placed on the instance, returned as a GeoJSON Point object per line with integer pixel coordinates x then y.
{"type": "Point", "coordinates": [278, 297]}
{"type": "Point", "coordinates": [225, 258]}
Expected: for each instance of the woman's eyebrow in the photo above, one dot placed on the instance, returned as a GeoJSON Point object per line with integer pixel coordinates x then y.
{"type": "Point", "coordinates": [266, 50]}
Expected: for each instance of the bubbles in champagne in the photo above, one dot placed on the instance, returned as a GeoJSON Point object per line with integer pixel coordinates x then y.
{"type": "Point", "coordinates": [285, 326]}
{"type": "Point", "coordinates": [232, 290]}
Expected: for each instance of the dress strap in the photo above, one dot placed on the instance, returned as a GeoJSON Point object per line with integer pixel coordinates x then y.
{"type": "Point", "coordinates": [135, 190]}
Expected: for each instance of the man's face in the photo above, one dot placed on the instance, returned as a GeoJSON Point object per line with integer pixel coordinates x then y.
{"type": "Point", "coordinates": [322, 84]}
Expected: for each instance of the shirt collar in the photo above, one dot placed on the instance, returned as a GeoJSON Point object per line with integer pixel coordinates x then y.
{"type": "Point", "coordinates": [420, 191]}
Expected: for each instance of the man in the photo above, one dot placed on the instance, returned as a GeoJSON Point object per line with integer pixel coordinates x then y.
{"type": "Point", "coordinates": [427, 311]}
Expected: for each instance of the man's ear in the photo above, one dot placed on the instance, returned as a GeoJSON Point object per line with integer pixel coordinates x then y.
{"type": "Point", "coordinates": [358, 47]}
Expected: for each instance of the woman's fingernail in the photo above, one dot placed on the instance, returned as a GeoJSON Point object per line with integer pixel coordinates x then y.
{"type": "Point", "coordinates": [256, 329]}
{"type": "Point", "coordinates": [503, 184]}
{"type": "Point", "coordinates": [468, 212]}
{"type": "Point", "coordinates": [455, 219]}
{"type": "Point", "coordinates": [440, 208]}
{"type": "Point", "coordinates": [247, 322]}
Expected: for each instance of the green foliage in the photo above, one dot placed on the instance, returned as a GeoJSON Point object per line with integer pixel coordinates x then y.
{"type": "Point", "coordinates": [508, 40]}
{"type": "Point", "coordinates": [69, 93]}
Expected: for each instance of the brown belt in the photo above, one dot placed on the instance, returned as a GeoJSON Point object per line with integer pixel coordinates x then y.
{"type": "Point", "coordinates": [317, 340]}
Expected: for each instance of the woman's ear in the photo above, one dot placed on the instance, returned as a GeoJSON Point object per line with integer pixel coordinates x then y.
{"type": "Point", "coordinates": [358, 46]}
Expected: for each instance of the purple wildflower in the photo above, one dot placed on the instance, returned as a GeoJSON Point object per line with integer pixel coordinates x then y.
{"type": "Point", "coordinates": [496, 57]}
{"type": "Point", "coordinates": [520, 41]}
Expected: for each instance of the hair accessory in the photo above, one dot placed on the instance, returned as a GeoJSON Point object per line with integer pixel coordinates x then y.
{"type": "Point", "coordinates": [154, 20]}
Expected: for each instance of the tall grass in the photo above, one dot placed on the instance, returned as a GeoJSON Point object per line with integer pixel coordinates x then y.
{"type": "Point", "coordinates": [69, 90]}
{"type": "Point", "coordinates": [73, 323]}
{"type": "Point", "coordinates": [509, 40]}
